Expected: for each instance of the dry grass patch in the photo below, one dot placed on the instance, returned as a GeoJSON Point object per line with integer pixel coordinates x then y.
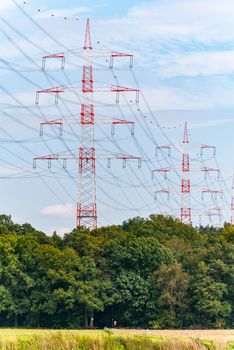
{"type": "Point", "coordinates": [71, 341]}
{"type": "Point", "coordinates": [22, 339]}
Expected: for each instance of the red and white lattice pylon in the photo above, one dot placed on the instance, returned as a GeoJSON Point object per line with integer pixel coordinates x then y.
{"type": "Point", "coordinates": [232, 203]}
{"type": "Point", "coordinates": [185, 212]}
{"type": "Point", "coordinates": [86, 207]}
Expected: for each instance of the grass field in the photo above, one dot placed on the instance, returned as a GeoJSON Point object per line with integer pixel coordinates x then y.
{"type": "Point", "coordinates": [118, 339]}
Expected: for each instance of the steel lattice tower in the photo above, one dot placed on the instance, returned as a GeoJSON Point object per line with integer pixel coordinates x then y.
{"type": "Point", "coordinates": [86, 207]}
{"type": "Point", "coordinates": [86, 212]}
{"type": "Point", "coordinates": [185, 211]}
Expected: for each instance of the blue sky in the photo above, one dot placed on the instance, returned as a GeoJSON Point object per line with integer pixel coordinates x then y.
{"type": "Point", "coordinates": [184, 63]}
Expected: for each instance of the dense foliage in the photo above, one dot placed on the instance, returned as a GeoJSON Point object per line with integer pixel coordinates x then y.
{"type": "Point", "coordinates": [153, 272]}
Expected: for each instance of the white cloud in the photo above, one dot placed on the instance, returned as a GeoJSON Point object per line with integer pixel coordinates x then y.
{"type": "Point", "coordinates": [62, 230]}
{"type": "Point", "coordinates": [6, 4]}
{"type": "Point", "coordinates": [198, 64]}
{"type": "Point", "coordinates": [145, 29]}
{"type": "Point", "coordinates": [172, 98]}
{"type": "Point", "coordinates": [210, 123]}
{"type": "Point", "coordinates": [179, 19]}
{"type": "Point", "coordinates": [176, 38]}
{"type": "Point", "coordinates": [66, 210]}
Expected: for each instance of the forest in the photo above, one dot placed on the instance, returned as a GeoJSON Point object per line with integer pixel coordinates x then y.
{"type": "Point", "coordinates": [151, 272]}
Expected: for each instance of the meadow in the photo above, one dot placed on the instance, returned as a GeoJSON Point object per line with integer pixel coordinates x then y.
{"type": "Point", "coordinates": [25, 339]}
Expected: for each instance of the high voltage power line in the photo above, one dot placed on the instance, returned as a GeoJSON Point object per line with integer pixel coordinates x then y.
{"type": "Point", "coordinates": [145, 123]}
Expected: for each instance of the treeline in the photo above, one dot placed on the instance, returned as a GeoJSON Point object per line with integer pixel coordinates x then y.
{"type": "Point", "coordinates": [153, 272]}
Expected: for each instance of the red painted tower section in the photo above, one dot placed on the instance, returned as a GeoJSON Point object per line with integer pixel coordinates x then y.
{"type": "Point", "coordinates": [86, 207]}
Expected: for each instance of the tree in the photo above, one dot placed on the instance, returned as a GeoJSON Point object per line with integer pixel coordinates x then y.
{"type": "Point", "coordinates": [142, 255]}
{"type": "Point", "coordinates": [14, 280]}
{"type": "Point", "coordinates": [171, 285]}
{"type": "Point", "coordinates": [208, 299]}
{"type": "Point", "coordinates": [131, 294]}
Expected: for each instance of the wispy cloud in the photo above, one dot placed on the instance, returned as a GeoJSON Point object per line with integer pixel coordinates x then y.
{"type": "Point", "coordinates": [188, 19]}
{"type": "Point", "coordinates": [6, 5]}
{"type": "Point", "coordinates": [66, 210]}
{"type": "Point", "coordinates": [197, 64]}
{"type": "Point", "coordinates": [189, 97]}
{"type": "Point", "coordinates": [176, 38]}
{"type": "Point", "coordinates": [64, 12]}
{"type": "Point", "coordinates": [210, 123]}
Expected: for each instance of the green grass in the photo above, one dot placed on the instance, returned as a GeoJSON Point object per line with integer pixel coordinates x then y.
{"type": "Point", "coordinates": [20, 333]}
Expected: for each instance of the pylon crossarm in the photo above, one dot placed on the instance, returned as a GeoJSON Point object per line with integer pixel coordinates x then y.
{"type": "Point", "coordinates": [213, 214]}
{"type": "Point", "coordinates": [52, 122]}
{"type": "Point", "coordinates": [162, 148]}
{"type": "Point", "coordinates": [117, 88]}
{"type": "Point", "coordinates": [210, 215]}
{"type": "Point", "coordinates": [213, 193]}
{"type": "Point", "coordinates": [182, 146]}
{"type": "Point", "coordinates": [54, 90]}
{"type": "Point", "coordinates": [91, 53]}
{"type": "Point", "coordinates": [115, 121]}
{"type": "Point", "coordinates": [87, 87]}
{"type": "Point", "coordinates": [207, 170]}
{"type": "Point", "coordinates": [100, 53]}
{"type": "Point", "coordinates": [207, 147]}
{"type": "Point", "coordinates": [52, 157]}
{"type": "Point", "coordinates": [127, 157]}
{"type": "Point", "coordinates": [119, 55]}
{"type": "Point", "coordinates": [58, 56]}
{"type": "Point", "coordinates": [162, 191]}
{"type": "Point", "coordinates": [76, 119]}
{"type": "Point", "coordinates": [216, 209]}
{"type": "Point", "coordinates": [109, 55]}
{"type": "Point", "coordinates": [58, 122]}
{"type": "Point", "coordinates": [124, 157]}
{"type": "Point", "coordinates": [120, 89]}
{"type": "Point", "coordinates": [87, 156]}
{"type": "Point", "coordinates": [163, 171]}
